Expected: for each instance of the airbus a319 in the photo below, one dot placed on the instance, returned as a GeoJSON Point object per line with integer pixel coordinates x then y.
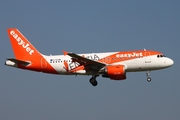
{"type": "Point", "coordinates": [112, 65]}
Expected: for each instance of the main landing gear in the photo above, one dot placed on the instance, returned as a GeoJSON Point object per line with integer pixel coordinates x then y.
{"type": "Point", "coordinates": [93, 80]}
{"type": "Point", "coordinates": [148, 78]}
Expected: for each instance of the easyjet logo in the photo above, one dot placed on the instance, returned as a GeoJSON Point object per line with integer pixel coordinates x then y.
{"type": "Point", "coordinates": [129, 55]}
{"type": "Point", "coordinates": [21, 42]}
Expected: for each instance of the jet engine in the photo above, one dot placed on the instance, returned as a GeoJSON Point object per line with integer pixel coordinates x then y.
{"type": "Point", "coordinates": [115, 72]}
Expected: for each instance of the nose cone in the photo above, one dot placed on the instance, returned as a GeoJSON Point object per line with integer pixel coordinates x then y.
{"type": "Point", "coordinates": [169, 62]}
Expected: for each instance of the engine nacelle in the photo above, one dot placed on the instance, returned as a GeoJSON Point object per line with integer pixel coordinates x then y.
{"type": "Point", "coordinates": [116, 72]}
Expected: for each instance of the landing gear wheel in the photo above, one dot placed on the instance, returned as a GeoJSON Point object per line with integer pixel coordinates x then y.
{"type": "Point", "coordinates": [93, 81]}
{"type": "Point", "coordinates": [149, 79]}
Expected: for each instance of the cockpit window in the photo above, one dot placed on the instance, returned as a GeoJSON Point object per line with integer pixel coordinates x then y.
{"type": "Point", "coordinates": [160, 56]}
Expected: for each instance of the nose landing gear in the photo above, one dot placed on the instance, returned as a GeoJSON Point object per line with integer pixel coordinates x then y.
{"type": "Point", "coordinates": [149, 79]}
{"type": "Point", "coordinates": [148, 74]}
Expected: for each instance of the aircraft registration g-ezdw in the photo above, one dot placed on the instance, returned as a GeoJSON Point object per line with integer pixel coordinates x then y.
{"type": "Point", "coordinates": [113, 65]}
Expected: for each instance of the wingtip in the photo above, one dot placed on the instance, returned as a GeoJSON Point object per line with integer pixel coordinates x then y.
{"type": "Point", "coordinates": [65, 52]}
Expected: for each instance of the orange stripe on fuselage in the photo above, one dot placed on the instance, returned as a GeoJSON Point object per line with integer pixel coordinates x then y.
{"type": "Point", "coordinates": [127, 55]}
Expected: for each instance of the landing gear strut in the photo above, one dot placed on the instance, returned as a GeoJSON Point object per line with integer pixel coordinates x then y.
{"type": "Point", "coordinates": [93, 80]}
{"type": "Point", "coordinates": [148, 74]}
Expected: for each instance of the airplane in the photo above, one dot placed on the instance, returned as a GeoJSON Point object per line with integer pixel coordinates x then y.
{"type": "Point", "coordinates": [112, 65]}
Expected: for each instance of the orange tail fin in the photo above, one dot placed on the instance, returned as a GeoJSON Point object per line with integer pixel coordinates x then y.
{"type": "Point", "coordinates": [22, 48]}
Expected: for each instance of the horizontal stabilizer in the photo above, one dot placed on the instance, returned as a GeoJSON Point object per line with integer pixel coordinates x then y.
{"type": "Point", "coordinates": [16, 61]}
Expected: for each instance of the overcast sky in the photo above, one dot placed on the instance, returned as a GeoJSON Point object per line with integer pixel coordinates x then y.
{"type": "Point", "coordinates": [83, 26]}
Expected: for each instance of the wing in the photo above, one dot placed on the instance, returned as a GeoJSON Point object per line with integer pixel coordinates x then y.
{"type": "Point", "coordinates": [87, 63]}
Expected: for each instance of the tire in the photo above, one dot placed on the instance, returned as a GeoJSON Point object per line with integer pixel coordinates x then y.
{"type": "Point", "coordinates": [149, 79]}
{"type": "Point", "coordinates": [93, 82]}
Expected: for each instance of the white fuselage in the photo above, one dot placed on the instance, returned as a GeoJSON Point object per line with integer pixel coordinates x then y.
{"type": "Point", "coordinates": [136, 64]}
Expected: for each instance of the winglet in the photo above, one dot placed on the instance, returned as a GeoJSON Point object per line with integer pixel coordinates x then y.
{"type": "Point", "coordinates": [65, 52]}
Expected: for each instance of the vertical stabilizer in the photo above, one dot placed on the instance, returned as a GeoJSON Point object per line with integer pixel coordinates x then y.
{"type": "Point", "coordinates": [22, 48]}
{"type": "Point", "coordinates": [26, 55]}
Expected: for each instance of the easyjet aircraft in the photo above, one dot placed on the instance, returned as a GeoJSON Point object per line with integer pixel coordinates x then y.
{"type": "Point", "coordinates": [113, 65]}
